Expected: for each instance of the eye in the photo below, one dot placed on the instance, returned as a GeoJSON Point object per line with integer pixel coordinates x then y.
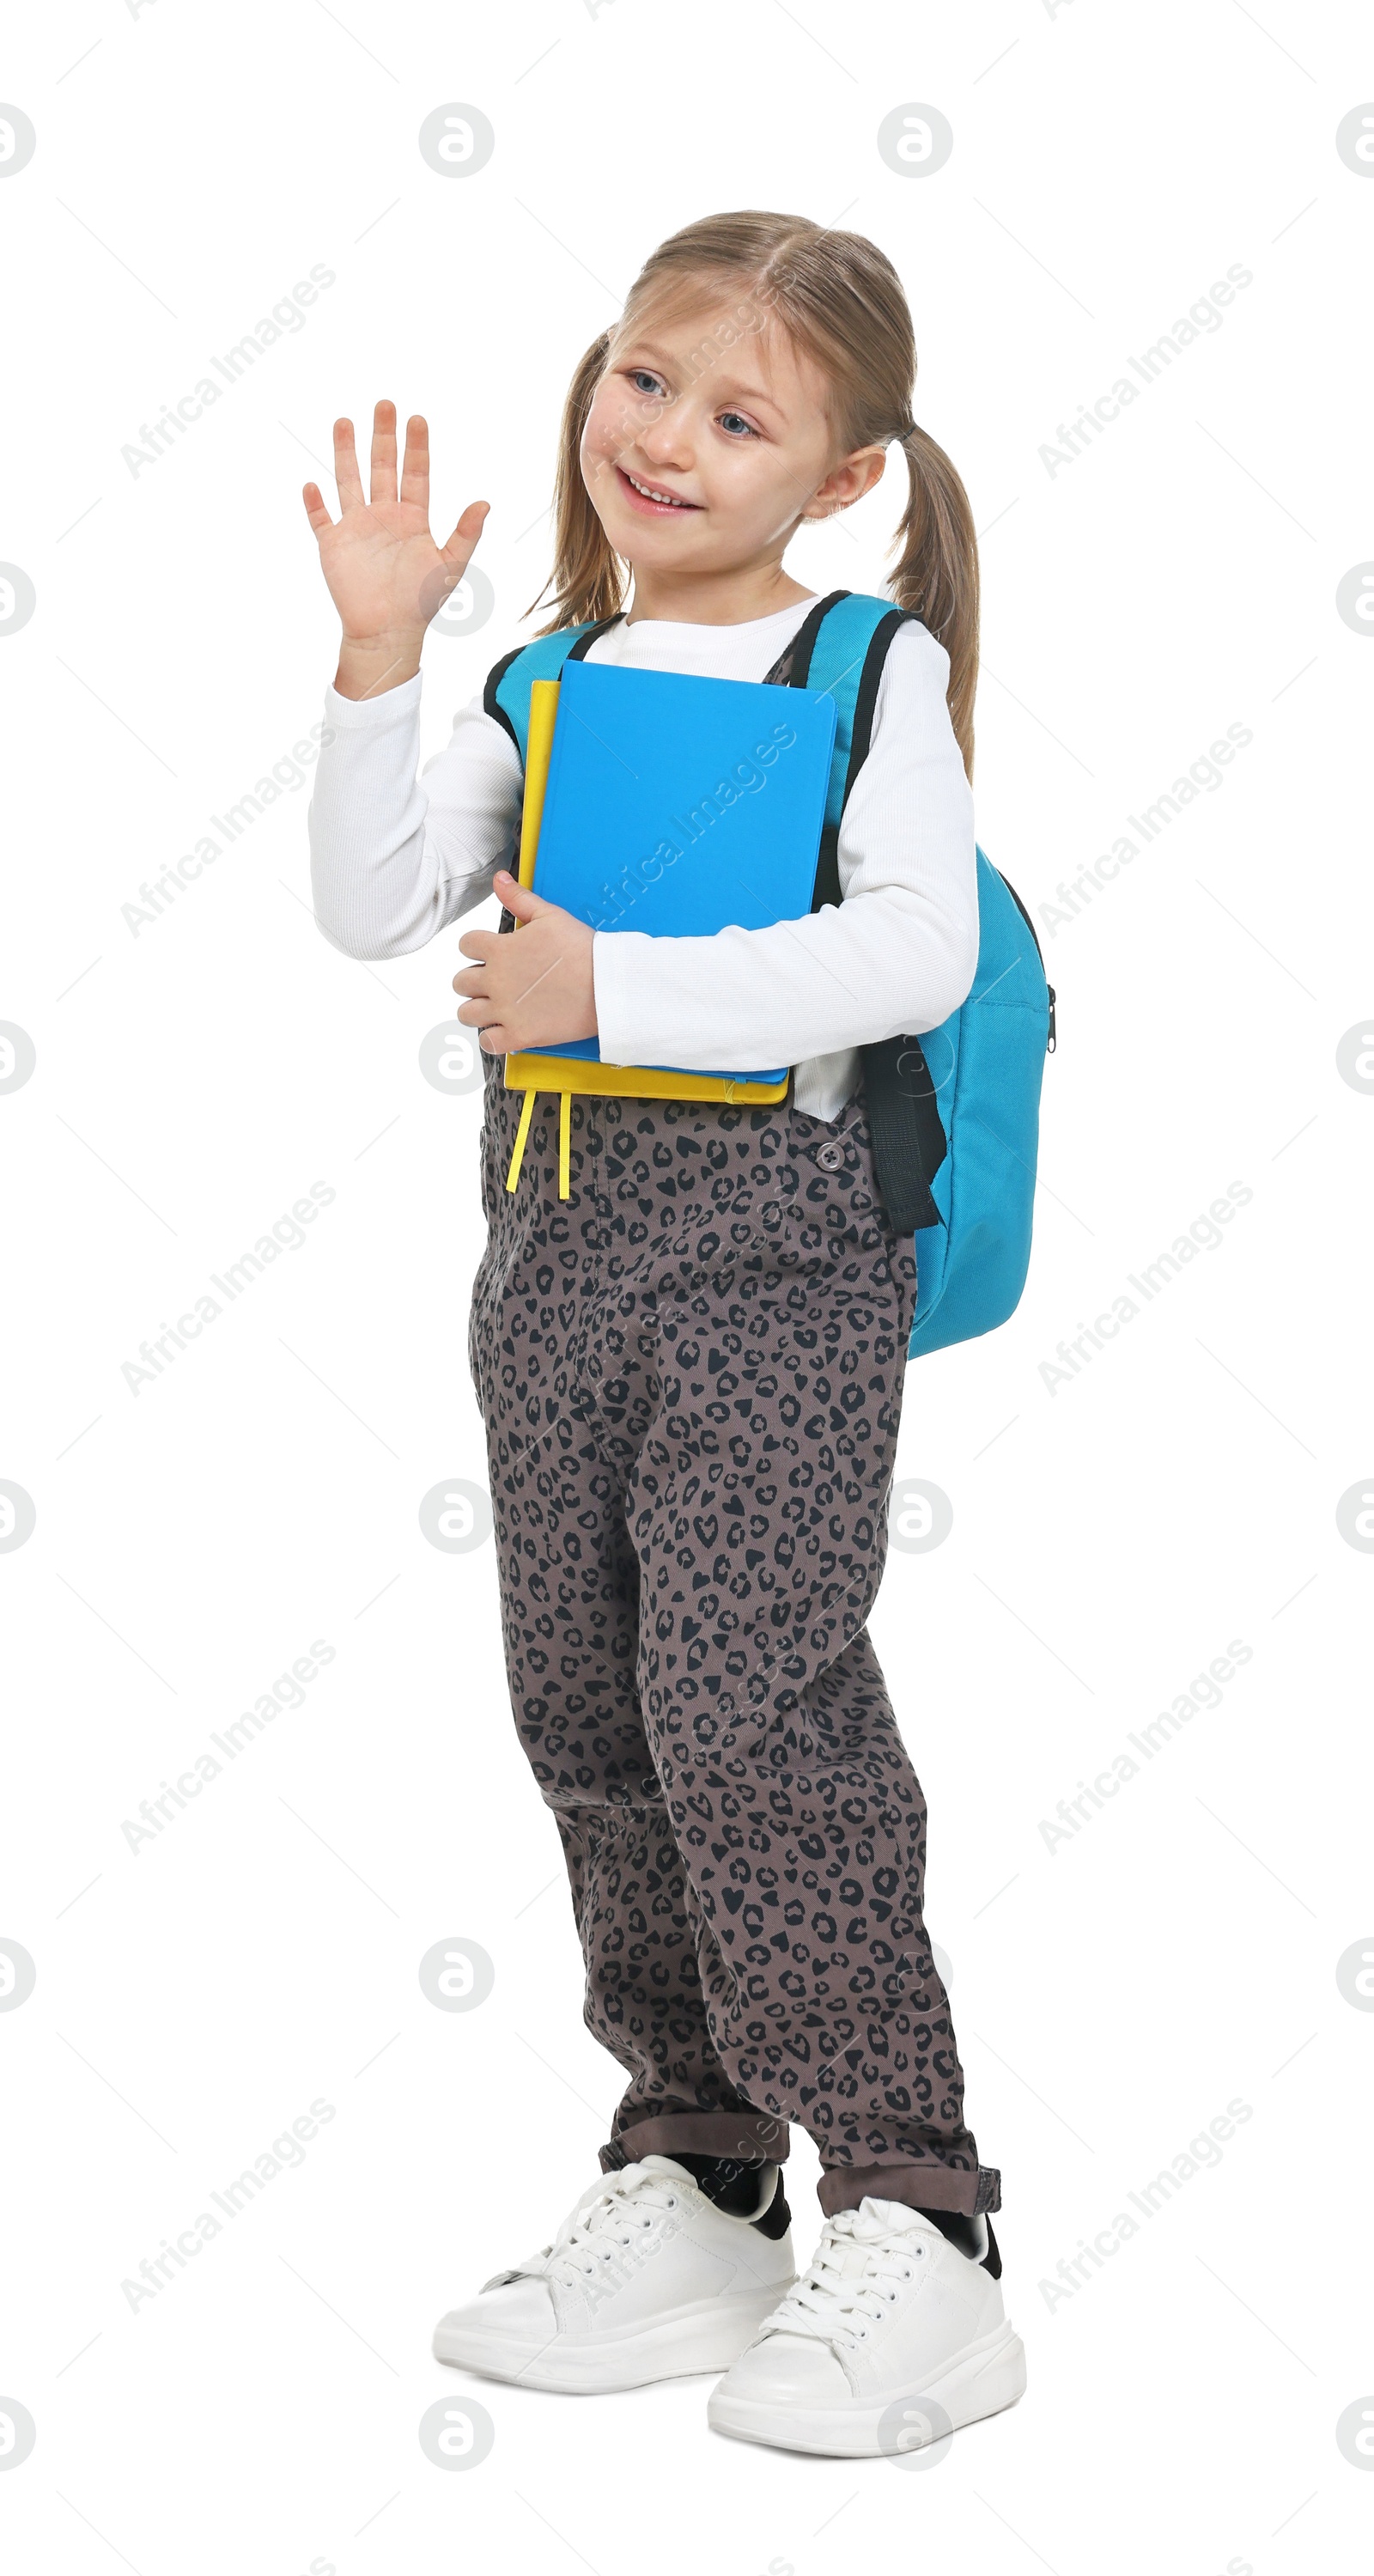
{"type": "Point", "coordinates": [645, 381]}
{"type": "Point", "coordinates": [736, 426]}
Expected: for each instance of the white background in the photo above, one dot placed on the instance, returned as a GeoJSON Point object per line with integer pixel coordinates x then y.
{"type": "Point", "coordinates": [1109, 1538]}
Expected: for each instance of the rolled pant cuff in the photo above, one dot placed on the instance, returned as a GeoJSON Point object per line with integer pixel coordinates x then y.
{"type": "Point", "coordinates": [751, 2135]}
{"type": "Point", "coordinates": [920, 2186]}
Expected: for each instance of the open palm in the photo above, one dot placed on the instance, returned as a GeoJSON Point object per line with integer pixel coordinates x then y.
{"type": "Point", "coordinates": [386, 574]}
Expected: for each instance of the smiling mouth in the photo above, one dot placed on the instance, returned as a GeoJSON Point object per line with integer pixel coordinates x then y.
{"type": "Point", "coordinates": [652, 496]}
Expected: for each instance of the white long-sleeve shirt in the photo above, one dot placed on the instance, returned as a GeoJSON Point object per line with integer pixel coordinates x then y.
{"type": "Point", "coordinates": [396, 857]}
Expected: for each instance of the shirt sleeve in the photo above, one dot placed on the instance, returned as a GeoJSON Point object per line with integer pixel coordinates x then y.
{"type": "Point", "coordinates": [394, 856]}
{"type": "Point", "coordinates": [896, 957]}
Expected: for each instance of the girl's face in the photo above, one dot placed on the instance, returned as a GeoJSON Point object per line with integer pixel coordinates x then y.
{"type": "Point", "coordinates": [708, 441]}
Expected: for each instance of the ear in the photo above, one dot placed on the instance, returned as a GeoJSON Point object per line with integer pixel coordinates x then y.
{"type": "Point", "coordinates": [847, 482]}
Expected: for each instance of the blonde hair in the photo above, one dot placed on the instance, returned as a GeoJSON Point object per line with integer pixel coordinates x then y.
{"type": "Point", "coordinates": [841, 301]}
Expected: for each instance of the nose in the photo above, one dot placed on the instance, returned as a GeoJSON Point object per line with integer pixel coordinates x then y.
{"type": "Point", "coordinates": [667, 442]}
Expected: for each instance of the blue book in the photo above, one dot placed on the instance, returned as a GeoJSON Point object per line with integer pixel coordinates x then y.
{"type": "Point", "coordinates": [682, 806]}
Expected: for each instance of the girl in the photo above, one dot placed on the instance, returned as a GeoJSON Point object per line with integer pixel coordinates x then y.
{"type": "Point", "coordinates": [691, 1370]}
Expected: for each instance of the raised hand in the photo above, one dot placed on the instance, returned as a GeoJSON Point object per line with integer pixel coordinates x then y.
{"type": "Point", "coordinates": [386, 574]}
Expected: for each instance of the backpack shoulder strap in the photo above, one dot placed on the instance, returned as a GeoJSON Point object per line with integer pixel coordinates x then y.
{"type": "Point", "coordinates": [845, 649]}
{"type": "Point", "coordinates": [506, 696]}
{"type": "Point", "coordinates": [839, 652]}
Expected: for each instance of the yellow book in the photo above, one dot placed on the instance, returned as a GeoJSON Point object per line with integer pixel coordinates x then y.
{"type": "Point", "coordinates": [533, 1073]}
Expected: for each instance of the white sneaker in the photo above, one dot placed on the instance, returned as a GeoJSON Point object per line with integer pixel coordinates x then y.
{"type": "Point", "coordinates": [646, 2279]}
{"type": "Point", "coordinates": [889, 2341]}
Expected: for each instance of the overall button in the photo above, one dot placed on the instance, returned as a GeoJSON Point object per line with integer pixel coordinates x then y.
{"type": "Point", "coordinates": [831, 1158]}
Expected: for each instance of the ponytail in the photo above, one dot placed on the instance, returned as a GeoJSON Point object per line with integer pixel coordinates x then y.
{"type": "Point", "coordinates": [588, 579]}
{"type": "Point", "coordinates": [937, 574]}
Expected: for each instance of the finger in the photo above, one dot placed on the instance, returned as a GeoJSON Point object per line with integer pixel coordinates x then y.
{"type": "Point", "coordinates": [495, 1041]}
{"type": "Point", "coordinates": [478, 943]}
{"type": "Point", "coordinates": [480, 1014]}
{"type": "Point", "coordinates": [475, 983]}
{"type": "Point", "coordinates": [415, 464]}
{"type": "Point", "coordinates": [315, 510]}
{"type": "Point", "coordinates": [520, 900]}
{"type": "Point", "coordinates": [384, 453]}
{"type": "Point", "coordinates": [346, 475]}
{"type": "Point", "coordinates": [462, 545]}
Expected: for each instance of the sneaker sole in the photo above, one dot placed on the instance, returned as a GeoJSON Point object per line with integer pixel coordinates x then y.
{"type": "Point", "coordinates": [981, 2380]}
{"type": "Point", "coordinates": [707, 2336]}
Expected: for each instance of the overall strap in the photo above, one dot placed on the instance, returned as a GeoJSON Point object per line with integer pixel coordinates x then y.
{"type": "Point", "coordinates": [506, 696]}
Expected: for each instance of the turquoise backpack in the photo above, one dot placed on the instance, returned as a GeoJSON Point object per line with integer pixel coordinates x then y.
{"type": "Point", "coordinates": [954, 1114]}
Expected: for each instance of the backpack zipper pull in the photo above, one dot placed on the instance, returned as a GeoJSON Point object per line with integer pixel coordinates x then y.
{"type": "Point", "coordinates": [1050, 1041]}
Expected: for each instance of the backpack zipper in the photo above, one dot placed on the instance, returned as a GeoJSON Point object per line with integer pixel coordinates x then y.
{"type": "Point", "coordinates": [1051, 1040]}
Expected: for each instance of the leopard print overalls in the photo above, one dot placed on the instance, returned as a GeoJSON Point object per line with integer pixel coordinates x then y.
{"type": "Point", "coordinates": [691, 1376]}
